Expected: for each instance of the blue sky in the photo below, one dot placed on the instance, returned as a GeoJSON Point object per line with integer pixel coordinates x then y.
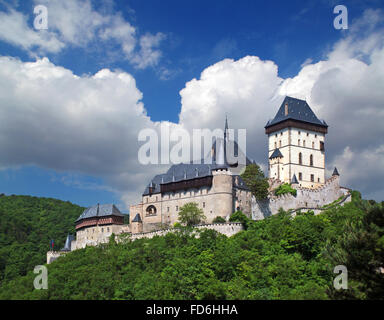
{"type": "Point", "coordinates": [184, 38]}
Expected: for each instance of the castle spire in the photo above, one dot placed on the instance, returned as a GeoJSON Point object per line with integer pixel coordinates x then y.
{"type": "Point", "coordinates": [226, 128]}
{"type": "Point", "coordinates": [335, 172]}
{"type": "Point", "coordinates": [294, 180]}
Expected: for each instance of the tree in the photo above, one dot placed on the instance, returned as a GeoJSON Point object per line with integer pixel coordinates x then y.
{"type": "Point", "coordinates": [255, 180]}
{"type": "Point", "coordinates": [191, 214]}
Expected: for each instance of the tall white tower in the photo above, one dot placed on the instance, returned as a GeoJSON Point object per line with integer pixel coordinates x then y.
{"type": "Point", "coordinates": [296, 144]}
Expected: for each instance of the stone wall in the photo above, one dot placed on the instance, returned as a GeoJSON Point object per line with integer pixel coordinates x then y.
{"type": "Point", "coordinates": [306, 198]}
{"type": "Point", "coordinates": [53, 255]}
{"type": "Point", "coordinates": [228, 229]}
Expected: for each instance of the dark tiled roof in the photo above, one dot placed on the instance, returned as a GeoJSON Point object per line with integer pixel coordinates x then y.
{"type": "Point", "coordinates": [137, 218]}
{"type": "Point", "coordinates": [276, 154]}
{"type": "Point", "coordinates": [335, 172]}
{"type": "Point", "coordinates": [100, 210]}
{"type": "Point", "coordinates": [297, 110]}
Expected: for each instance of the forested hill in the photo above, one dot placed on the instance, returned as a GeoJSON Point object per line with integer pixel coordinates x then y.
{"type": "Point", "coordinates": [26, 226]}
{"type": "Point", "coordinates": [280, 257]}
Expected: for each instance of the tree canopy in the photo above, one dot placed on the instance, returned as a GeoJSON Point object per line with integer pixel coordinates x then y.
{"type": "Point", "coordinates": [255, 180]}
{"type": "Point", "coordinates": [190, 214]}
{"type": "Point", "coordinates": [280, 257]}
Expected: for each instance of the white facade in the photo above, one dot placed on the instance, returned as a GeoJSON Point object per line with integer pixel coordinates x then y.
{"type": "Point", "coordinates": [303, 155]}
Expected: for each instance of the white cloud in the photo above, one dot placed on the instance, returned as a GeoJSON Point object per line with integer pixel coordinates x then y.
{"type": "Point", "coordinates": [89, 124]}
{"type": "Point", "coordinates": [51, 118]}
{"type": "Point", "coordinates": [75, 23]}
{"type": "Point", "coordinates": [346, 89]}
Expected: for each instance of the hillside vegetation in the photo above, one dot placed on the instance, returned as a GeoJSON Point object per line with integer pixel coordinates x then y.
{"type": "Point", "coordinates": [277, 258]}
{"type": "Point", "coordinates": [27, 224]}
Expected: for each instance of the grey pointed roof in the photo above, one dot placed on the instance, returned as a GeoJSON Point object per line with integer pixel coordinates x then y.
{"type": "Point", "coordinates": [297, 110]}
{"type": "Point", "coordinates": [294, 180]}
{"type": "Point", "coordinates": [68, 241]}
{"type": "Point", "coordinates": [100, 210]}
{"type": "Point", "coordinates": [137, 218]}
{"type": "Point", "coordinates": [276, 154]}
{"type": "Point", "coordinates": [187, 171]}
{"type": "Point", "coordinates": [335, 172]}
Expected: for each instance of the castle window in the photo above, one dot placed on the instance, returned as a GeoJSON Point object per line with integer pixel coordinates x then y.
{"type": "Point", "coordinates": [167, 209]}
{"type": "Point", "coordinates": [313, 145]}
{"type": "Point", "coordinates": [203, 204]}
{"type": "Point", "coordinates": [303, 143]}
{"type": "Point", "coordinates": [151, 210]}
{"type": "Point", "coordinates": [321, 145]}
{"type": "Point", "coordinates": [280, 144]}
{"type": "Point", "coordinates": [312, 178]}
{"type": "Point", "coordinates": [299, 132]}
{"type": "Point", "coordinates": [177, 208]}
{"type": "Point", "coordinates": [300, 176]}
{"type": "Point", "coordinates": [315, 135]}
{"type": "Point", "coordinates": [276, 135]}
{"type": "Point", "coordinates": [156, 198]}
{"type": "Point", "coordinates": [307, 134]}
{"type": "Point", "coordinates": [318, 179]}
{"type": "Point", "coordinates": [275, 144]}
{"type": "Point", "coordinates": [311, 160]}
{"type": "Point", "coordinates": [281, 133]}
{"type": "Point", "coordinates": [102, 229]}
{"type": "Point", "coordinates": [108, 229]}
{"type": "Point", "coordinates": [298, 142]}
{"type": "Point", "coordinates": [300, 158]}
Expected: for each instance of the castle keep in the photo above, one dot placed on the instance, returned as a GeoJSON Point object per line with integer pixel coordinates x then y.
{"type": "Point", "coordinates": [296, 155]}
{"type": "Point", "coordinates": [296, 148]}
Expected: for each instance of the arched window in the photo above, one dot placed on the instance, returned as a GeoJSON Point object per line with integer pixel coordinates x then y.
{"type": "Point", "coordinates": [298, 142]}
{"type": "Point", "coordinates": [311, 160]}
{"type": "Point", "coordinates": [279, 143]}
{"type": "Point", "coordinates": [151, 210]}
{"type": "Point", "coordinates": [300, 158]}
{"type": "Point", "coordinates": [303, 143]}
{"type": "Point", "coordinates": [313, 145]}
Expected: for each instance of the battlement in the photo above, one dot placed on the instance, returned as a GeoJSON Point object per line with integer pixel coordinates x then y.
{"type": "Point", "coordinates": [309, 198]}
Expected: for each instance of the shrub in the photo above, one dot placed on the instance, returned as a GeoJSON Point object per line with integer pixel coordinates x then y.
{"type": "Point", "coordinates": [285, 188]}
{"type": "Point", "coordinates": [219, 220]}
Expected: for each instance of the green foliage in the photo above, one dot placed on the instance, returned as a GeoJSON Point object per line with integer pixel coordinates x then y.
{"type": "Point", "coordinates": [177, 225]}
{"type": "Point", "coordinates": [190, 214]}
{"type": "Point", "coordinates": [285, 188]}
{"type": "Point", "coordinates": [238, 216]}
{"type": "Point", "coordinates": [219, 220]}
{"type": "Point", "coordinates": [27, 224]}
{"type": "Point", "coordinates": [280, 257]}
{"type": "Point", "coordinates": [255, 180]}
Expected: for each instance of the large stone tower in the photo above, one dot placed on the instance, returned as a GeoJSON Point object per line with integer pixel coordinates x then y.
{"type": "Point", "coordinates": [296, 144]}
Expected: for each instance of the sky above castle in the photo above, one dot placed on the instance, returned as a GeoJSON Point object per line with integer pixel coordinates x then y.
{"type": "Point", "coordinates": [73, 97]}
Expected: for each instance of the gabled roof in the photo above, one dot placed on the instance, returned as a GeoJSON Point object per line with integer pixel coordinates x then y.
{"type": "Point", "coordinates": [100, 210]}
{"type": "Point", "coordinates": [276, 154]}
{"type": "Point", "coordinates": [297, 110]}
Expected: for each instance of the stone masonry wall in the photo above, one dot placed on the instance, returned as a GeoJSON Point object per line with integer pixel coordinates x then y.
{"type": "Point", "coordinates": [305, 198]}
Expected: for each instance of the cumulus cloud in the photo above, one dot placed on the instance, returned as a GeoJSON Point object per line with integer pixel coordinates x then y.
{"type": "Point", "coordinates": [51, 118]}
{"type": "Point", "coordinates": [345, 89]}
{"type": "Point", "coordinates": [89, 124]}
{"type": "Point", "coordinates": [75, 23]}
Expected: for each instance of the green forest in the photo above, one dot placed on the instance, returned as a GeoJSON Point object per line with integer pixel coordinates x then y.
{"type": "Point", "coordinates": [27, 224]}
{"type": "Point", "coordinates": [280, 257]}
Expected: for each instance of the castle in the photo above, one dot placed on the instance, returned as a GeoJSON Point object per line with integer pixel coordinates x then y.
{"type": "Point", "coordinates": [296, 153]}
